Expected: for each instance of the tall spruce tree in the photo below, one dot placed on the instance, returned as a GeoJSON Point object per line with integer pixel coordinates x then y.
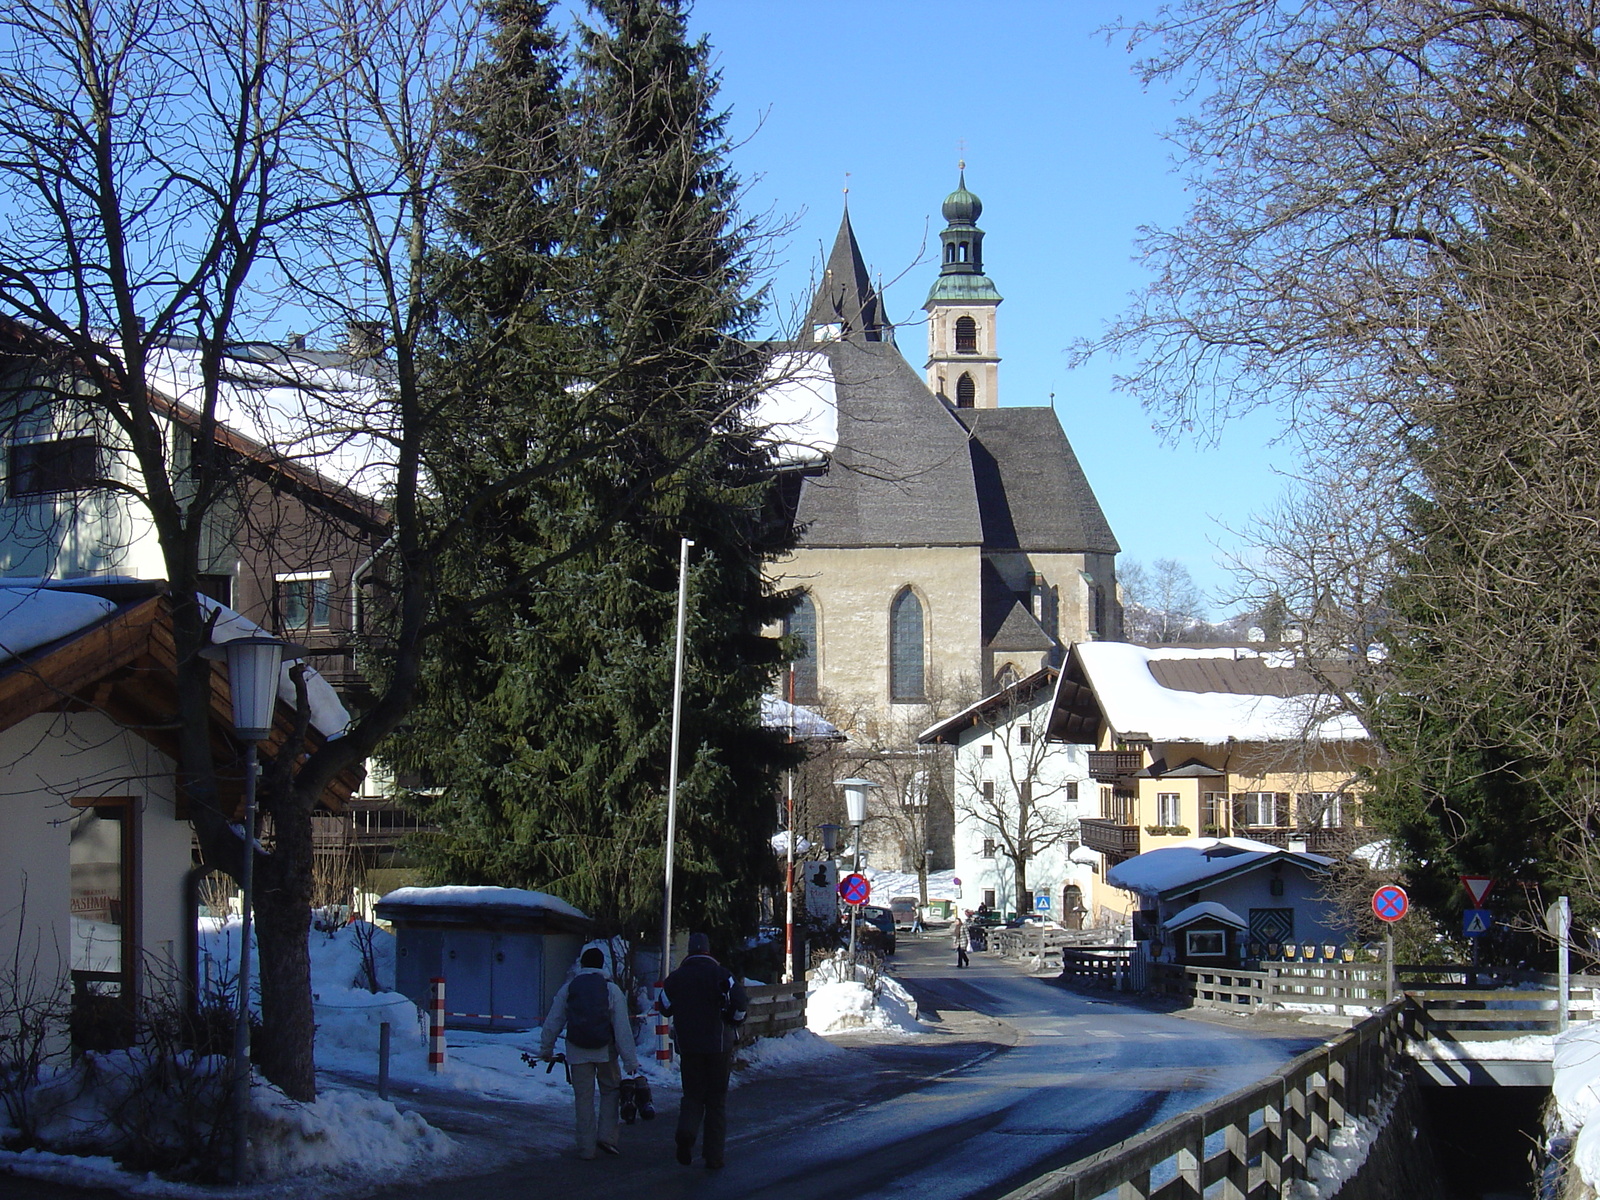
{"type": "Point", "coordinates": [545, 729]}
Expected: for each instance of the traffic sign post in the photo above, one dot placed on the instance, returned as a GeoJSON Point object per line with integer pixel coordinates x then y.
{"type": "Point", "coordinates": [1389, 904]}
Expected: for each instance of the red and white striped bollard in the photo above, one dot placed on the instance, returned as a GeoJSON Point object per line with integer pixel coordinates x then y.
{"type": "Point", "coordinates": [436, 1025]}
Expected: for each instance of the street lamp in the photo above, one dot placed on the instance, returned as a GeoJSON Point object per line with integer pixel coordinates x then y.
{"type": "Point", "coordinates": [254, 665]}
{"type": "Point", "coordinates": [927, 869]}
{"type": "Point", "coordinates": [855, 810]}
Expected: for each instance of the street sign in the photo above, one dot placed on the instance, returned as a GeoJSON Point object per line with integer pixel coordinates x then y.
{"type": "Point", "coordinates": [1478, 886]}
{"type": "Point", "coordinates": [1041, 902]}
{"type": "Point", "coordinates": [854, 889]}
{"type": "Point", "coordinates": [1390, 903]}
{"type": "Point", "coordinates": [1476, 922]}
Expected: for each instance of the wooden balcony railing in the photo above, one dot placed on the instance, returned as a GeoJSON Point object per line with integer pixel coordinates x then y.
{"type": "Point", "coordinates": [1108, 837]}
{"type": "Point", "coordinates": [1107, 766]}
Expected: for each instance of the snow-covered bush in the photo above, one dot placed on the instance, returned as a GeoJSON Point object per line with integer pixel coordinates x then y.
{"type": "Point", "coordinates": [844, 1000]}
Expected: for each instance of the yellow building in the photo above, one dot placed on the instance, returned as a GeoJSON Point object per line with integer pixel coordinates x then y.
{"type": "Point", "coordinates": [1210, 741]}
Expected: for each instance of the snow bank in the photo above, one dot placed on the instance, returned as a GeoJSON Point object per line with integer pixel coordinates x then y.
{"type": "Point", "coordinates": [796, 1048]}
{"type": "Point", "coordinates": [1347, 1151]}
{"type": "Point", "coordinates": [838, 1003]}
{"type": "Point", "coordinates": [340, 1133]}
{"type": "Point", "coordinates": [1576, 1063]}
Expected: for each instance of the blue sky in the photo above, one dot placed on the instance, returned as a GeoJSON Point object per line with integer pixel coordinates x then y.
{"type": "Point", "coordinates": [1062, 143]}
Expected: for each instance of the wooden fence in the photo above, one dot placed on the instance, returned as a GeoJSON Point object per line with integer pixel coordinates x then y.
{"type": "Point", "coordinates": [775, 1009]}
{"type": "Point", "coordinates": [1253, 1143]}
{"type": "Point", "coordinates": [1044, 948]}
{"type": "Point", "coordinates": [1096, 966]}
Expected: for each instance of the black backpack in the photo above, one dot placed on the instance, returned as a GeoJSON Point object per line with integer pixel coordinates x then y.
{"type": "Point", "coordinates": [589, 1012]}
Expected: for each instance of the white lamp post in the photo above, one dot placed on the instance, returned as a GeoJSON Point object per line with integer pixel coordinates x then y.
{"type": "Point", "coordinates": [254, 665]}
{"type": "Point", "coordinates": [855, 809]}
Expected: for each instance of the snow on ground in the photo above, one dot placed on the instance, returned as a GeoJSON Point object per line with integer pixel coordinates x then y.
{"type": "Point", "coordinates": [886, 885]}
{"type": "Point", "coordinates": [1533, 1048]}
{"type": "Point", "coordinates": [1576, 1063]}
{"type": "Point", "coordinates": [796, 1048]}
{"type": "Point", "coordinates": [838, 1003]}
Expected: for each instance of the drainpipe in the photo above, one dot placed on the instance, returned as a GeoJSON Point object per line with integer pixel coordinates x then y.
{"type": "Point", "coordinates": [355, 583]}
{"type": "Point", "coordinates": [191, 938]}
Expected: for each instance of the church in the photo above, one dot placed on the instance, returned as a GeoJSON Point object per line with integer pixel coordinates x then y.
{"type": "Point", "coordinates": [948, 545]}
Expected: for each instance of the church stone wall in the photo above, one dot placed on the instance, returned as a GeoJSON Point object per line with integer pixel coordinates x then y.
{"type": "Point", "coordinates": [852, 590]}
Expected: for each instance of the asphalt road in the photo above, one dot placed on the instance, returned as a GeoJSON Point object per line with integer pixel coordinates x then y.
{"type": "Point", "coordinates": [1017, 1076]}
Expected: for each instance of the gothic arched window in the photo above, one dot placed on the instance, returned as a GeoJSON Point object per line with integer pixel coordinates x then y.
{"type": "Point", "coordinates": [966, 391]}
{"type": "Point", "coordinates": [905, 647]}
{"type": "Point", "coordinates": [802, 626]}
{"type": "Point", "coordinates": [966, 335]}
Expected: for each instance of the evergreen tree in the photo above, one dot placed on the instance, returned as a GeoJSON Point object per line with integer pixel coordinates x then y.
{"type": "Point", "coordinates": [545, 730]}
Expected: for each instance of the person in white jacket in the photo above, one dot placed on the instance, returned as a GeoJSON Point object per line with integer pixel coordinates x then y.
{"type": "Point", "coordinates": [593, 1013]}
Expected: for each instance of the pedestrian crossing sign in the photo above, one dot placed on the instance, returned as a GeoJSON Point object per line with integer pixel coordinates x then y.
{"type": "Point", "coordinates": [1476, 922]}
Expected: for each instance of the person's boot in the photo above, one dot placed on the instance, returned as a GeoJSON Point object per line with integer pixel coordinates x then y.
{"type": "Point", "coordinates": [642, 1098]}
{"type": "Point", "coordinates": [686, 1150]}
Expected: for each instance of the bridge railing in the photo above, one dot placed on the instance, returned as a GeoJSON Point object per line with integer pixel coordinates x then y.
{"type": "Point", "coordinates": [1253, 1143]}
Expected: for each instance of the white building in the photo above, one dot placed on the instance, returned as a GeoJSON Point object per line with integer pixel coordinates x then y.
{"type": "Point", "coordinates": [1016, 796]}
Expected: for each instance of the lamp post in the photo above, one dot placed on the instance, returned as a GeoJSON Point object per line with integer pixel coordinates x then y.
{"type": "Point", "coordinates": [254, 665]}
{"type": "Point", "coordinates": [927, 869]}
{"type": "Point", "coordinates": [855, 809]}
{"type": "Point", "coordinates": [663, 1045]}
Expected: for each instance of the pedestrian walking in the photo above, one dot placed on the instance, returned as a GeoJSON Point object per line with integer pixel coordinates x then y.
{"type": "Point", "coordinates": [961, 942]}
{"type": "Point", "coordinates": [707, 1005]}
{"type": "Point", "coordinates": [594, 1014]}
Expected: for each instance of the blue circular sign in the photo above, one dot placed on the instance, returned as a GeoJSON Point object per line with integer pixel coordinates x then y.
{"type": "Point", "coordinates": [1390, 903]}
{"type": "Point", "coordinates": [854, 889]}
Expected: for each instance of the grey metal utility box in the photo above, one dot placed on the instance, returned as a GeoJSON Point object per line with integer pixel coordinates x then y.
{"type": "Point", "coordinates": [503, 952]}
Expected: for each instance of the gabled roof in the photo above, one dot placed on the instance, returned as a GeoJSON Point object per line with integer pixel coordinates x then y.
{"type": "Point", "coordinates": [119, 658]}
{"type": "Point", "coordinates": [1229, 693]}
{"type": "Point", "coordinates": [1174, 871]}
{"type": "Point", "coordinates": [994, 709]}
{"type": "Point", "coordinates": [1032, 491]}
{"type": "Point", "coordinates": [901, 475]}
{"type": "Point", "coordinates": [1202, 911]}
{"type": "Point", "coordinates": [1007, 622]}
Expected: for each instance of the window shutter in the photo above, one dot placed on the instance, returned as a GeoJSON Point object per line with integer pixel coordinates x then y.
{"type": "Point", "coordinates": [1241, 816]}
{"type": "Point", "coordinates": [1280, 815]}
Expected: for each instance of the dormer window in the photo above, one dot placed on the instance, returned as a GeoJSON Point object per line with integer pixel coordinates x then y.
{"type": "Point", "coordinates": [966, 335]}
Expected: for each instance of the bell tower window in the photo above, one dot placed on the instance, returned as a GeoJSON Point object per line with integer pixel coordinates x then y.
{"type": "Point", "coordinates": [966, 335]}
{"type": "Point", "coordinates": [966, 391]}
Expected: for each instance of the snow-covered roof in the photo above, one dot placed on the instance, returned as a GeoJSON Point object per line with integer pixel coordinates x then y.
{"type": "Point", "coordinates": [798, 407]}
{"type": "Point", "coordinates": [1206, 908]}
{"type": "Point", "coordinates": [460, 896]}
{"type": "Point", "coordinates": [1187, 864]}
{"type": "Point", "coordinates": [1134, 701]}
{"type": "Point", "coordinates": [800, 723]}
{"type": "Point", "coordinates": [35, 612]}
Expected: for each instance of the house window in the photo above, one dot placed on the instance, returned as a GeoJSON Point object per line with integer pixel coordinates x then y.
{"type": "Point", "coordinates": [1321, 810]}
{"type": "Point", "coordinates": [54, 465]}
{"type": "Point", "coordinates": [1214, 812]}
{"type": "Point", "coordinates": [905, 647]}
{"type": "Point", "coordinates": [966, 335]}
{"type": "Point", "coordinates": [100, 898]}
{"type": "Point", "coordinates": [305, 600]}
{"type": "Point", "coordinates": [1168, 809]}
{"type": "Point", "coordinates": [1205, 943]}
{"type": "Point", "coordinates": [988, 750]}
{"type": "Point", "coordinates": [988, 847]}
{"type": "Point", "coordinates": [988, 897]}
{"type": "Point", "coordinates": [1071, 789]}
{"type": "Point", "coordinates": [966, 391]}
{"type": "Point", "coordinates": [1116, 806]}
{"type": "Point", "coordinates": [801, 625]}
{"type": "Point", "coordinates": [217, 587]}
{"type": "Point", "coordinates": [1025, 736]}
{"type": "Point", "coordinates": [988, 789]}
{"type": "Point", "coordinates": [1259, 808]}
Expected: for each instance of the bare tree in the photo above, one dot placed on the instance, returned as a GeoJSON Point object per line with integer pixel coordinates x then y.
{"type": "Point", "coordinates": [1161, 604]}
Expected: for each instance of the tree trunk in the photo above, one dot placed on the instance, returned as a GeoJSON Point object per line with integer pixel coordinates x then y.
{"type": "Point", "coordinates": [286, 1048]}
{"type": "Point", "coordinates": [1019, 870]}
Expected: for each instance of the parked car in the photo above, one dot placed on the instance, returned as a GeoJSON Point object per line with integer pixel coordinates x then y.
{"type": "Point", "coordinates": [904, 909]}
{"type": "Point", "coordinates": [875, 929]}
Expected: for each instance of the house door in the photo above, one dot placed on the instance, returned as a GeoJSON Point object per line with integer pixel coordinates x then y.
{"type": "Point", "coordinates": [1071, 907]}
{"type": "Point", "coordinates": [469, 978]}
{"type": "Point", "coordinates": [517, 979]}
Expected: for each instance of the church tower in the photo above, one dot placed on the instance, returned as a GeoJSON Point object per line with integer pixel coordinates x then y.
{"type": "Point", "coordinates": [963, 365]}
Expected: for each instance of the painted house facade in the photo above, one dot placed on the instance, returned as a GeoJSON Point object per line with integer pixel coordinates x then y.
{"type": "Point", "coordinates": [1209, 741]}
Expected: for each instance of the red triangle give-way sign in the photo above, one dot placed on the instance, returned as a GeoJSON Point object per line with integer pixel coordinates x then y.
{"type": "Point", "coordinates": [1478, 886]}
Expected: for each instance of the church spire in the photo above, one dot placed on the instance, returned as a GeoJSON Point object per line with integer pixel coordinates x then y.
{"type": "Point", "coordinates": [845, 304]}
{"type": "Point", "coordinates": [963, 366]}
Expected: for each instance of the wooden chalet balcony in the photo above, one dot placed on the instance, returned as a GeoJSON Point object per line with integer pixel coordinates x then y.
{"type": "Point", "coordinates": [363, 825]}
{"type": "Point", "coordinates": [1341, 839]}
{"type": "Point", "coordinates": [1108, 837]}
{"type": "Point", "coordinates": [1107, 766]}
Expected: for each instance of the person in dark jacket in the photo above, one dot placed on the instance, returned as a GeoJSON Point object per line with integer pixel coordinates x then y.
{"type": "Point", "coordinates": [707, 1005]}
